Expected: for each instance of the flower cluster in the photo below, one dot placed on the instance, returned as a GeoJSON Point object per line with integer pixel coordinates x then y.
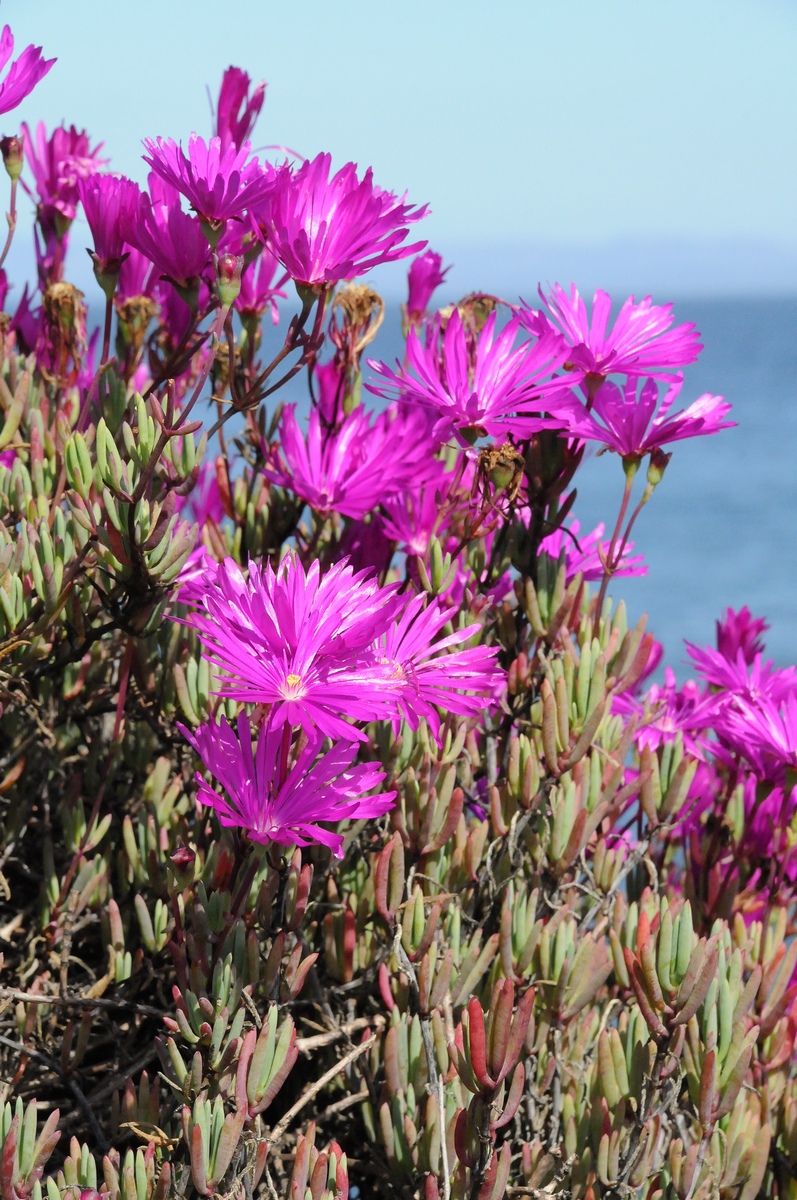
{"type": "Point", "coordinates": [333, 741]}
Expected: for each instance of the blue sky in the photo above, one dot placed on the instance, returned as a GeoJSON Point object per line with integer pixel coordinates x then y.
{"type": "Point", "coordinates": [619, 127]}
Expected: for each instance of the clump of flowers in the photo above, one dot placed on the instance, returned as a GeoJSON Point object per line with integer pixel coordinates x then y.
{"type": "Point", "coordinates": [351, 834]}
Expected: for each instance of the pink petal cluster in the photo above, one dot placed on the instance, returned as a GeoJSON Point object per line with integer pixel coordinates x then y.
{"type": "Point", "coordinates": [640, 342]}
{"type": "Point", "coordinates": [581, 552]}
{"type": "Point", "coordinates": [219, 183]}
{"type": "Point", "coordinates": [58, 163]}
{"type": "Point", "coordinates": [424, 277]}
{"type": "Point", "coordinates": [494, 387]}
{"type": "Point", "coordinates": [237, 111]}
{"type": "Point", "coordinates": [328, 651]}
{"type": "Point", "coordinates": [23, 74]}
{"type": "Point", "coordinates": [110, 203]}
{"type": "Point", "coordinates": [741, 631]}
{"type": "Point", "coordinates": [326, 229]}
{"type": "Point", "coordinates": [171, 239]}
{"type": "Point", "coordinates": [633, 422]}
{"type": "Point", "coordinates": [457, 682]}
{"type": "Point", "coordinates": [352, 468]}
{"type": "Point", "coordinates": [277, 800]}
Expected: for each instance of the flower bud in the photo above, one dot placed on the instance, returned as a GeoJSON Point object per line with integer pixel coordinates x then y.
{"type": "Point", "coordinates": [228, 278]}
{"type": "Point", "coordinates": [657, 466]}
{"type": "Point", "coordinates": [13, 155]}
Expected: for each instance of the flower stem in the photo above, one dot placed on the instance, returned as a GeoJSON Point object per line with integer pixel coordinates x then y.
{"type": "Point", "coordinates": [11, 217]}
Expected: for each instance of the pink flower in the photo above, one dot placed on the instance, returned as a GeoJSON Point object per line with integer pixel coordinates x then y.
{"type": "Point", "coordinates": [219, 184]}
{"type": "Point", "coordinates": [58, 164]}
{"type": "Point", "coordinates": [351, 468]}
{"type": "Point", "coordinates": [424, 276]}
{"type": "Point", "coordinates": [457, 682]}
{"type": "Point", "coordinates": [136, 275]}
{"type": "Point", "coordinates": [667, 710]}
{"type": "Point", "coordinates": [490, 388]}
{"type": "Point", "coordinates": [276, 796]}
{"type": "Point", "coordinates": [300, 642]}
{"type": "Point", "coordinates": [414, 516]}
{"type": "Point", "coordinates": [324, 230]}
{"type": "Point", "coordinates": [740, 677]}
{"type": "Point", "coordinates": [204, 502]}
{"type": "Point", "coordinates": [634, 425]}
{"type": "Point", "coordinates": [641, 341]}
{"type": "Point", "coordinates": [741, 631]}
{"type": "Point", "coordinates": [581, 553]}
{"type": "Point", "coordinates": [110, 203]}
{"type": "Point", "coordinates": [259, 290]}
{"type": "Point", "coordinates": [765, 733]}
{"type": "Point", "coordinates": [237, 111]}
{"type": "Point", "coordinates": [167, 236]}
{"type": "Point", "coordinates": [23, 74]}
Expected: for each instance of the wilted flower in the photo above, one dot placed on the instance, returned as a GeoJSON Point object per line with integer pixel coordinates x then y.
{"type": "Point", "coordinates": [640, 342]}
{"type": "Point", "coordinates": [324, 230]}
{"type": "Point", "coordinates": [219, 183]}
{"type": "Point", "coordinates": [274, 799]}
{"type": "Point", "coordinates": [23, 74]}
{"type": "Point", "coordinates": [634, 426]}
{"type": "Point", "coordinates": [237, 111]}
{"type": "Point", "coordinates": [351, 468]}
{"type": "Point", "coordinates": [491, 389]}
{"type": "Point", "coordinates": [300, 642]}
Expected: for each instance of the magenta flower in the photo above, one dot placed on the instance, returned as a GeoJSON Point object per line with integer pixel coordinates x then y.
{"type": "Point", "coordinates": [765, 733]}
{"type": "Point", "coordinates": [110, 203]}
{"type": "Point", "coordinates": [666, 710]}
{"type": "Point", "coordinates": [237, 111]}
{"type": "Point", "coordinates": [136, 275]}
{"type": "Point", "coordinates": [301, 642]}
{"type": "Point", "coordinates": [351, 468]}
{"type": "Point", "coordinates": [274, 799]}
{"type": "Point", "coordinates": [168, 237]}
{"type": "Point", "coordinates": [323, 230]}
{"type": "Point", "coordinates": [739, 677]}
{"type": "Point", "coordinates": [431, 678]}
{"type": "Point", "coordinates": [218, 184]}
{"type": "Point", "coordinates": [413, 517]}
{"type": "Point", "coordinates": [491, 389]}
{"type": "Point", "coordinates": [581, 553]}
{"type": "Point", "coordinates": [259, 289]}
{"type": "Point", "coordinates": [23, 74]}
{"type": "Point", "coordinates": [634, 425]}
{"type": "Point", "coordinates": [425, 275]}
{"type": "Point", "coordinates": [641, 341]}
{"type": "Point", "coordinates": [58, 164]}
{"type": "Point", "coordinates": [741, 631]}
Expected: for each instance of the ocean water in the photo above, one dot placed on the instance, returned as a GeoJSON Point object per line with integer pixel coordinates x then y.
{"type": "Point", "coordinates": [721, 528]}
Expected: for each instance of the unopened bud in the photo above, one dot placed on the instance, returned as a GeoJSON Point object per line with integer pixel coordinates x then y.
{"type": "Point", "coordinates": [13, 155]}
{"type": "Point", "coordinates": [183, 862]}
{"type": "Point", "coordinates": [228, 278]}
{"type": "Point", "coordinates": [657, 466]}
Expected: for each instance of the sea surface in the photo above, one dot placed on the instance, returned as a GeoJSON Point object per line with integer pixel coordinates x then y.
{"type": "Point", "coordinates": [721, 529]}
